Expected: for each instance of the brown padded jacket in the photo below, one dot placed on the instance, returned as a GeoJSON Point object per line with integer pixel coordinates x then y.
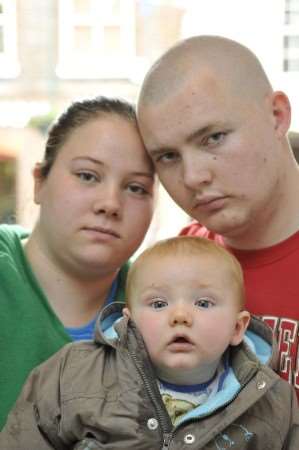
{"type": "Point", "coordinates": [103, 395]}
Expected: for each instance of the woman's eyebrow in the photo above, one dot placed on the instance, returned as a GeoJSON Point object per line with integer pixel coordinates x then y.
{"type": "Point", "coordinates": [88, 158]}
{"type": "Point", "coordinates": [139, 173]}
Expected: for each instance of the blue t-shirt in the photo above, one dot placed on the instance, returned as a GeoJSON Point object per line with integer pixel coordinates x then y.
{"type": "Point", "coordinates": [87, 331]}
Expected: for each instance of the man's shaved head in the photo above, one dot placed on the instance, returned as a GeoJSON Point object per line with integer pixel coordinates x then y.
{"type": "Point", "coordinates": [213, 56]}
{"type": "Point", "coordinates": [216, 132]}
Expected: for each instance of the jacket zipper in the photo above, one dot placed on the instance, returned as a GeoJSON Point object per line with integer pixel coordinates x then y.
{"type": "Point", "coordinates": [166, 441]}
{"type": "Point", "coordinates": [167, 434]}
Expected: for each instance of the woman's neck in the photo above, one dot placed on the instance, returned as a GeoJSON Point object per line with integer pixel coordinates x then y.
{"type": "Point", "coordinates": [75, 299]}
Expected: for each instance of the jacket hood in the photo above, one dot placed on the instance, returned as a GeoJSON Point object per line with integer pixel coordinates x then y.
{"type": "Point", "coordinates": [258, 338]}
{"type": "Point", "coordinates": [106, 330]}
{"type": "Point", "coordinates": [245, 360]}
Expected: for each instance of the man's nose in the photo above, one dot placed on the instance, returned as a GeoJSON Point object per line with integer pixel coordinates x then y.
{"type": "Point", "coordinates": [108, 201]}
{"type": "Point", "coordinates": [181, 315]}
{"type": "Point", "coordinates": [196, 170]}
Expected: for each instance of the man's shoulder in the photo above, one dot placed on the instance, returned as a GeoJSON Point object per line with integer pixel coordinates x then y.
{"type": "Point", "coordinates": [196, 229]}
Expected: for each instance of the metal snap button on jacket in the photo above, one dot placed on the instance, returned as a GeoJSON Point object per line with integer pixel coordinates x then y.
{"type": "Point", "coordinates": [152, 424]}
{"type": "Point", "coordinates": [189, 438]}
{"type": "Point", "coordinates": [261, 384]}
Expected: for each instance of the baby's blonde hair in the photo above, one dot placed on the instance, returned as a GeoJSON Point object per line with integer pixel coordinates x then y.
{"type": "Point", "coordinates": [188, 245]}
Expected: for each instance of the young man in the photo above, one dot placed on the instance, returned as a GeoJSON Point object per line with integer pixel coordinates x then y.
{"type": "Point", "coordinates": [217, 133]}
{"type": "Point", "coordinates": [175, 372]}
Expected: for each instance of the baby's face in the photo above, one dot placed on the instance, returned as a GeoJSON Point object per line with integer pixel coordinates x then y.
{"type": "Point", "coordinates": [187, 310]}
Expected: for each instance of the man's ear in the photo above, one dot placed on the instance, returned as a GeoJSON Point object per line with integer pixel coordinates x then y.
{"type": "Point", "coordinates": [281, 110]}
{"type": "Point", "coordinates": [242, 323]}
{"type": "Point", "coordinates": [126, 313]}
{"type": "Point", "coordinates": [38, 182]}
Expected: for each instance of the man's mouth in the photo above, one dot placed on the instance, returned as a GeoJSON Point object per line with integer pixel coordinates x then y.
{"type": "Point", "coordinates": [210, 202]}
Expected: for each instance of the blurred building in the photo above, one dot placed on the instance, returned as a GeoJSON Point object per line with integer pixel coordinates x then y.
{"type": "Point", "coordinates": [54, 51]}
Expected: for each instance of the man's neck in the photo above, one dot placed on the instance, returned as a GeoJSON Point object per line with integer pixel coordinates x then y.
{"type": "Point", "coordinates": [272, 225]}
{"type": "Point", "coordinates": [257, 238]}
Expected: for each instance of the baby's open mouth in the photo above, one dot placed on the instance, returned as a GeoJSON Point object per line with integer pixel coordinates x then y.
{"type": "Point", "coordinates": [180, 340]}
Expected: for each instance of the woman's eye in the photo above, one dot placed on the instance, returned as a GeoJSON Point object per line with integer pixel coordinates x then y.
{"type": "Point", "coordinates": [158, 304]}
{"type": "Point", "coordinates": [204, 303]}
{"type": "Point", "coordinates": [87, 177]}
{"type": "Point", "coordinates": [137, 189]}
{"type": "Point", "coordinates": [215, 138]}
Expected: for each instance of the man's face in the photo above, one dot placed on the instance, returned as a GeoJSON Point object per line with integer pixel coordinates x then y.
{"type": "Point", "coordinates": [187, 310]}
{"type": "Point", "coordinates": [216, 153]}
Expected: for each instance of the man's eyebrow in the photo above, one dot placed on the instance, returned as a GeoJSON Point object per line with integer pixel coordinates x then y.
{"type": "Point", "coordinates": [160, 151]}
{"type": "Point", "coordinates": [198, 133]}
{"type": "Point", "coordinates": [202, 131]}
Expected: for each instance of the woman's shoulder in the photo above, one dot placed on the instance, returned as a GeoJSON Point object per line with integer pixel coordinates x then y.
{"type": "Point", "coordinates": [10, 234]}
{"type": "Point", "coordinates": [11, 250]}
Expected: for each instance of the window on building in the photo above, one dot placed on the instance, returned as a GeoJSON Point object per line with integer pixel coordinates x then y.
{"type": "Point", "coordinates": [8, 42]}
{"type": "Point", "coordinates": [7, 190]}
{"type": "Point", "coordinates": [291, 36]}
{"type": "Point", "coordinates": [96, 38]}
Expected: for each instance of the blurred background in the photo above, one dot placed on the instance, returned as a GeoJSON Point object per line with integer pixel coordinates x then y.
{"type": "Point", "coordinates": [56, 51]}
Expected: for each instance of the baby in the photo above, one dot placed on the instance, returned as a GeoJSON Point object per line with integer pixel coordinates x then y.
{"type": "Point", "coordinates": [175, 372]}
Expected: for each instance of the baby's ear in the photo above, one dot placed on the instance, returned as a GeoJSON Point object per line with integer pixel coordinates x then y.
{"type": "Point", "coordinates": [126, 313]}
{"type": "Point", "coordinates": [242, 323]}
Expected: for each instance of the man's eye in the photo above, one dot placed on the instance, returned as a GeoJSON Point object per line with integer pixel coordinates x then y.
{"type": "Point", "coordinates": [87, 177]}
{"type": "Point", "coordinates": [158, 304]}
{"type": "Point", "coordinates": [167, 157]}
{"type": "Point", "coordinates": [215, 138]}
{"type": "Point", "coordinates": [204, 303]}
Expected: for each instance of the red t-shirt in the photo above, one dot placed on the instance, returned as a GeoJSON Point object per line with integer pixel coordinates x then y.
{"type": "Point", "coordinates": [272, 291]}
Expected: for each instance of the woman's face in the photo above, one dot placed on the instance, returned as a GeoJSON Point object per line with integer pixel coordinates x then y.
{"type": "Point", "coordinates": [96, 203]}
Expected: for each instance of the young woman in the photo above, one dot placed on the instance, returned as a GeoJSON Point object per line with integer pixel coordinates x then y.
{"type": "Point", "coordinates": [95, 189]}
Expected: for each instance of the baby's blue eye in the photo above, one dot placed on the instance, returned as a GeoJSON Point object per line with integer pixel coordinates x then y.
{"type": "Point", "coordinates": [158, 304]}
{"type": "Point", "coordinates": [204, 303]}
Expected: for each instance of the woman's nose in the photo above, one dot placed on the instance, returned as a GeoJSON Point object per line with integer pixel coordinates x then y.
{"type": "Point", "coordinates": [108, 202]}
